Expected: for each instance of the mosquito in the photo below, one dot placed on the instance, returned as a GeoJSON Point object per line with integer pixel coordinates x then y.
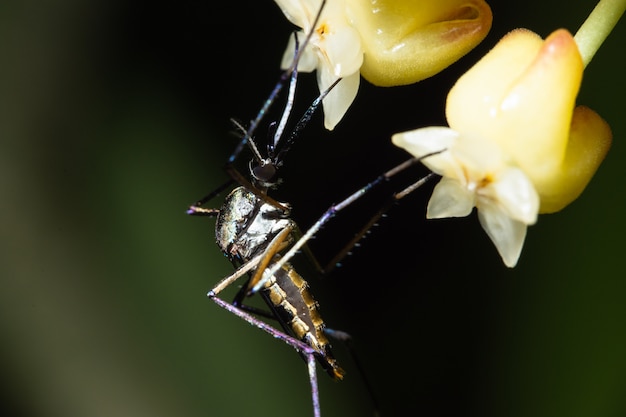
{"type": "Point", "coordinates": [257, 234]}
{"type": "Point", "coordinates": [252, 230]}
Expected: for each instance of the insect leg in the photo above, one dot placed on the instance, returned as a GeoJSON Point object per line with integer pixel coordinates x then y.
{"type": "Point", "coordinates": [278, 243]}
{"type": "Point", "coordinates": [307, 351]}
{"type": "Point", "coordinates": [334, 209]}
{"type": "Point", "coordinates": [243, 269]}
{"type": "Point", "coordinates": [346, 339]}
{"type": "Point", "coordinates": [197, 209]}
{"type": "Point", "coordinates": [299, 346]}
{"type": "Point", "coordinates": [373, 220]}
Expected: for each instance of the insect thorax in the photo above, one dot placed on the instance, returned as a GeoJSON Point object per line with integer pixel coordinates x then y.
{"type": "Point", "coordinates": [246, 224]}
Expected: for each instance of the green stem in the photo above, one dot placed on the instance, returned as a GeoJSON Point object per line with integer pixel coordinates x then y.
{"type": "Point", "coordinates": [597, 27]}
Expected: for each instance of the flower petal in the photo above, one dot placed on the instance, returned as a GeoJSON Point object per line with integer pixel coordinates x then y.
{"type": "Point", "coordinates": [589, 142]}
{"type": "Point", "coordinates": [474, 100]}
{"type": "Point", "coordinates": [334, 51]}
{"type": "Point", "coordinates": [507, 234]}
{"type": "Point", "coordinates": [521, 95]}
{"type": "Point", "coordinates": [515, 194]}
{"type": "Point", "coordinates": [308, 58]}
{"type": "Point", "coordinates": [450, 198]}
{"type": "Point", "coordinates": [342, 50]}
{"type": "Point", "coordinates": [427, 140]}
{"type": "Point", "coordinates": [300, 12]}
{"type": "Point", "coordinates": [478, 156]}
{"type": "Point", "coordinates": [408, 41]}
{"type": "Point", "coordinates": [339, 99]}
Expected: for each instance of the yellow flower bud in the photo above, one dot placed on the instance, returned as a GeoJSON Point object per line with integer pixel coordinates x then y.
{"type": "Point", "coordinates": [406, 41]}
{"type": "Point", "coordinates": [522, 95]}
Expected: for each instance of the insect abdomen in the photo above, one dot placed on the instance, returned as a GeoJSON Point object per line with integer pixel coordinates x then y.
{"type": "Point", "coordinates": [287, 293]}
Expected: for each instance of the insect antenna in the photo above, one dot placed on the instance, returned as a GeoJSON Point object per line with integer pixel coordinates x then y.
{"type": "Point", "coordinates": [288, 73]}
{"type": "Point", "coordinates": [264, 170]}
{"type": "Point", "coordinates": [288, 106]}
{"type": "Point", "coordinates": [263, 173]}
{"type": "Point", "coordinates": [304, 120]}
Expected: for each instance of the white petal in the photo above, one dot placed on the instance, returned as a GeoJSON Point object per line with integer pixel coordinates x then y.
{"type": "Point", "coordinates": [478, 156]}
{"type": "Point", "coordinates": [337, 102]}
{"type": "Point", "coordinates": [425, 140]}
{"type": "Point", "coordinates": [342, 50]}
{"type": "Point", "coordinates": [516, 195]}
{"type": "Point", "coordinates": [300, 13]}
{"type": "Point", "coordinates": [292, 9]}
{"type": "Point", "coordinates": [420, 142]}
{"type": "Point", "coordinates": [308, 60]}
{"type": "Point", "coordinates": [506, 233]}
{"type": "Point", "coordinates": [450, 199]}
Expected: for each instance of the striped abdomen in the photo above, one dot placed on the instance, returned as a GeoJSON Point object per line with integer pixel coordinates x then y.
{"type": "Point", "coordinates": [288, 295]}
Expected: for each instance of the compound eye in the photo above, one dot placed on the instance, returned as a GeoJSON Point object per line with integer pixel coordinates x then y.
{"type": "Point", "coordinates": [264, 172]}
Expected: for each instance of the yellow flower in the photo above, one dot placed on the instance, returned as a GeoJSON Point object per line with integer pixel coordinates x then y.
{"type": "Point", "coordinates": [517, 145]}
{"type": "Point", "coordinates": [522, 95]}
{"type": "Point", "coordinates": [389, 42]}
{"type": "Point", "coordinates": [406, 41]}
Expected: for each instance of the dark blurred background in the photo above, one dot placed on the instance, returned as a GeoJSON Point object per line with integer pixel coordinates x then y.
{"type": "Point", "coordinates": [114, 117]}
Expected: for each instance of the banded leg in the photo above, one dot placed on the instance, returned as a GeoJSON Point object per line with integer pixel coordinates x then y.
{"type": "Point", "coordinates": [334, 209]}
{"type": "Point", "coordinates": [299, 346]}
{"type": "Point", "coordinates": [307, 351]}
